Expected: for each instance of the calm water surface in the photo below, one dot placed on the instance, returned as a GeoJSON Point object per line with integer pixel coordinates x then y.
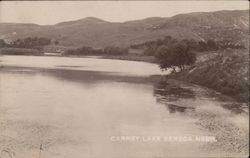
{"type": "Point", "coordinates": [82, 107]}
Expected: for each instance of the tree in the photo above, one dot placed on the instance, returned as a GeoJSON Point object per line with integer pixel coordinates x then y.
{"type": "Point", "coordinates": [193, 45]}
{"type": "Point", "coordinates": [212, 45]}
{"type": "Point", "coordinates": [176, 55]}
{"type": "Point", "coordinates": [56, 42]}
{"type": "Point", "coordinates": [165, 57]}
{"type": "Point", "coordinates": [202, 46]}
{"type": "Point", "coordinates": [2, 43]}
{"type": "Point", "coordinates": [151, 50]}
{"type": "Point", "coordinates": [30, 42]}
{"type": "Point", "coordinates": [115, 51]}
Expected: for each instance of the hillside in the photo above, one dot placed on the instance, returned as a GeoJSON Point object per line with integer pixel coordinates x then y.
{"type": "Point", "coordinates": [230, 25]}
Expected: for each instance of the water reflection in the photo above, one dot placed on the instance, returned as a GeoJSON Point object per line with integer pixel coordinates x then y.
{"type": "Point", "coordinates": [84, 64]}
{"type": "Point", "coordinates": [172, 93]}
{"type": "Point", "coordinates": [172, 108]}
{"type": "Point", "coordinates": [80, 76]}
{"type": "Point", "coordinates": [167, 93]}
{"type": "Point", "coordinates": [235, 107]}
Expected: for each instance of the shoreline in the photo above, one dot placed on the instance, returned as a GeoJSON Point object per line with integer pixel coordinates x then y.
{"type": "Point", "coordinates": [147, 59]}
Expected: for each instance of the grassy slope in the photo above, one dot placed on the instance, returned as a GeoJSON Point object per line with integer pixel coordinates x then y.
{"type": "Point", "coordinates": [226, 72]}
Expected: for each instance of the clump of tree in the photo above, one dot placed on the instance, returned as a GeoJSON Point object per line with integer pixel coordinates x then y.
{"type": "Point", "coordinates": [224, 44]}
{"type": "Point", "coordinates": [92, 51]}
{"type": "Point", "coordinates": [30, 42]}
{"type": "Point", "coordinates": [115, 51]}
{"type": "Point", "coordinates": [26, 46]}
{"type": "Point", "coordinates": [3, 43]}
{"type": "Point", "coordinates": [175, 56]}
{"type": "Point", "coordinates": [83, 51]}
{"type": "Point", "coordinates": [151, 47]}
{"type": "Point", "coordinates": [56, 42]}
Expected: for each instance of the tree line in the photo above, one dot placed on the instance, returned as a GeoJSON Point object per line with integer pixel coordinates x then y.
{"type": "Point", "coordinates": [171, 53]}
{"type": "Point", "coordinates": [150, 47]}
{"type": "Point", "coordinates": [29, 42]}
{"type": "Point", "coordinates": [85, 50]}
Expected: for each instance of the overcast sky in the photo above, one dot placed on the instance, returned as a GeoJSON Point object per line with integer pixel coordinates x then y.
{"type": "Point", "coordinates": [52, 12]}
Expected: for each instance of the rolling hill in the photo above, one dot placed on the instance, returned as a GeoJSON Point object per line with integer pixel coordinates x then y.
{"type": "Point", "coordinates": [220, 25]}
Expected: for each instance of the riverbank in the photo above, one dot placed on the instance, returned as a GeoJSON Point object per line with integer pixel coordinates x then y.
{"type": "Point", "coordinates": [226, 72]}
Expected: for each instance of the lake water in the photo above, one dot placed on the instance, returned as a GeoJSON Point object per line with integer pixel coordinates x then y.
{"type": "Point", "coordinates": [85, 107]}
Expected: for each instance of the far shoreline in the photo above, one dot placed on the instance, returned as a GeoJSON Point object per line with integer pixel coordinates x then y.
{"type": "Point", "coordinates": [138, 58]}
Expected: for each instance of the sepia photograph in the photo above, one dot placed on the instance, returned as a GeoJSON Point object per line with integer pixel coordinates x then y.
{"type": "Point", "coordinates": [124, 79]}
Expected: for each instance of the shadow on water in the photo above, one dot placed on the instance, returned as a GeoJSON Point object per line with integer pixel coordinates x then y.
{"type": "Point", "coordinates": [171, 93]}
{"type": "Point", "coordinates": [69, 66]}
{"type": "Point", "coordinates": [172, 108]}
{"type": "Point", "coordinates": [237, 108]}
{"type": "Point", "coordinates": [97, 76]}
{"type": "Point", "coordinates": [80, 75]}
{"type": "Point", "coordinates": [166, 93]}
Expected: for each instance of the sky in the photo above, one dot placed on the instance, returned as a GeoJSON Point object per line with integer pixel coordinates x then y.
{"type": "Point", "coordinates": [52, 12]}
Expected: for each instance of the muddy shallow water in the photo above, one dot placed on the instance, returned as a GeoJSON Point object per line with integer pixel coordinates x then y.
{"type": "Point", "coordinates": [81, 107]}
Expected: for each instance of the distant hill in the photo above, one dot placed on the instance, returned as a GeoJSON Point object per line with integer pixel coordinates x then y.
{"type": "Point", "coordinates": [220, 25]}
